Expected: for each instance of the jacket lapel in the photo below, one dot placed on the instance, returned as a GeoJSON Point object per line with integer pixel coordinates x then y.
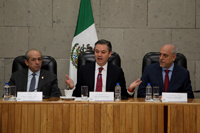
{"type": "Point", "coordinates": [160, 77]}
{"type": "Point", "coordinates": [41, 79]}
{"type": "Point", "coordinates": [109, 75]}
{"type": "Point", "coordinates": [25, 80]}
{"type": "Point", "coordinates": [173, 78]}
{"type": "Point", "coordinates": [91, 75]}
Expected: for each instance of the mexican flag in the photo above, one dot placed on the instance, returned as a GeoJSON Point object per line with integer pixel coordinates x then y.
{"type": "Point", "coordinates": [84, 38]}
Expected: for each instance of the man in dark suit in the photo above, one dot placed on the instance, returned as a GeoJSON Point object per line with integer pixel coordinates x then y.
{"type": "Point", "coordinates": [179, 78]}
{"type": "Point", "coordinates": [111, 74]}
{"type": "Point", "coordinates": [44, 81]}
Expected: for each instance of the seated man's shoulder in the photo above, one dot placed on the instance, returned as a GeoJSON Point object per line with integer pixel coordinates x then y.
{"type": "Point", "coordinates": [20, 71]}
{"type": "Point", "coordinates": [47, 72]}
{"type": "Point", "coordinates": [88, 65]}
{"type": "Point", "coordinates": [181, 69]}
{"type": "Point", "coordinates": [153, 66]}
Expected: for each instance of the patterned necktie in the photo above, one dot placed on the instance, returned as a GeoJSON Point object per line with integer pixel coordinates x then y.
{"type": "Point", "coordinates": [99, 80]}
{"type": "Point", "coordinates": [166, 80]}
{"type": "Point", "coordinates": [32, 84]}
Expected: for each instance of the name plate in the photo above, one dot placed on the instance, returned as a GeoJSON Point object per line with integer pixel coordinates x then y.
{"type": "Point", "coordinates": [29, 96]}
{"type": "Point", "coordinates": [174, 97]}
{"type": "Point", "coordinates": [101, 96]}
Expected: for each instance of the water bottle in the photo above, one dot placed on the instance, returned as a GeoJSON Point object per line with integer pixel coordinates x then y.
{"type": "Point", "coordinates": [6, 92]}
{"type": "Point", "coordinates": [117, 92]}
{"type": "Point", "coordinates": [149, 92]}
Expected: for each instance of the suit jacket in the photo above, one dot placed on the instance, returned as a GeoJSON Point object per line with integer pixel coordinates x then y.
{"type": "Point", "coordinates": [86, 76]}
{"type": "Point", "coordinates": [179, 82]}
{"type": "Point", "coordinates": [48, 83]}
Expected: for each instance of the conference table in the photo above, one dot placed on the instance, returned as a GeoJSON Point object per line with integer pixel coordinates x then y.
{"type": "Point", "coordinates": [134, 115]}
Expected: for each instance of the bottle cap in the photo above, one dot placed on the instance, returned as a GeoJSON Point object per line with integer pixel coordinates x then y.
{"type": "Point", "coordinates": [7, 83]}
{"type": "Point", "coordinates": [117, 83]}
{"type": "Point", "coordinates": [148, 83]}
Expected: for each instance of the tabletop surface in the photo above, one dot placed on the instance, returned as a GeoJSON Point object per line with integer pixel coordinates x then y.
{"type": "Point", "coordinates": [128, 101]}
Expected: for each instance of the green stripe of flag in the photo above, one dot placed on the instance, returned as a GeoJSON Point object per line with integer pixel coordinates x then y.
{"type": "Point", "coordinates": [85, 18]}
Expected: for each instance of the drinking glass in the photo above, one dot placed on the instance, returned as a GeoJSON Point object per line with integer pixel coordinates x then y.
{"type": "Point", "coordinates": [84, 93]}
{"type": "Point", "coordinates": [155, 93]}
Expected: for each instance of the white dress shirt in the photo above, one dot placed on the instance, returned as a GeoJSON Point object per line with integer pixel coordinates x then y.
{"type": "Point", "coordinates": [103, 74]}
{"type": "Point", "coordinates": [169, 74]}
{"type": "Point", "coordinates": [30, 76]}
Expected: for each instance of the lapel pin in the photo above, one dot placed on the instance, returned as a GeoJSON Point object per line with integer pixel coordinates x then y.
{"type": "Point", "coordinates": [42, 77]}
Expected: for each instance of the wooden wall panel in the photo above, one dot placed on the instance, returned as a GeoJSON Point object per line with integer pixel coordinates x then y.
{"type": "Point", "coordinates": [154, 119]}
{"type": "Point", "coordinates": [84, 118]}
{"type": "Point", "coordinates": [97, 118]}
{"type": "Point", "coordinates": [193, 119]}
{"type": "Point", "coordinates": [31, 116]}
{"type": "Point", "coordinates": [129, 118]}
{"type": "Point", "coordinates": [180, 118]}
{"type": "Point", "coordinates": [78, 118]}
{"type": "Point", "coordinates": [1, 119]}
{"type": "Point", "coordinates": [116, 118]}
{"type": "Point", "coordinates": [66, 118]}
{"type": "Point", "coordinates": [44, 118]}
{"type": "Point", "coordinates": [147, 118]}
{"type": "Point", "coordinates": [141, 119]}
{"type": "Point", "coordinates": [198, 119]}
{"type": "Point", "coordinates": [135, 119]}
{"type": "Point", "coordinates": [72, 118]}
{"type": "Point", "coordinates": [24, 118]}
{"type": "Point", "coordinates": [50, 117]}
{"type": "Point", "coordinates": [186, 114]}
{"type": "Point", "coordinates": [37, 118]}
{"type": "Point", "coordinates": [57, 118]}
{"type": "Point", "coordinates": [11, 118]}
{"type": "Point", "coordinates": [122, 118]}
{"type": "Point", "coordinates": [91, 114]}
{"type": "Point", "coordinates": [18, 118]}
{"type": "Point", "coordinates": [103, 118]}
{"type": "Point", "coordinates": [5, 118]}
{"type": "Point", "coordinates": [100, 117]}
{"type": "Point", "coordinates": [160, 119]}
{"type": "Point", "coordinates": [109, 118]}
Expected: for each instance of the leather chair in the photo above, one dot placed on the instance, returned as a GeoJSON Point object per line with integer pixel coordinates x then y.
{"type": "Point", "coordinates": [49, 63]}
{"type": "Point", "coordinates": [88, 57]}
{"type": "Point", "coordinates": [153, 57]}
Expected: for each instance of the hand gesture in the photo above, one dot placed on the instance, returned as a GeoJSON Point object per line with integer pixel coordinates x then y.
{"type": "Point", "coordinates": [135, 84]}
{"type": "Point", "coordinates": [69, 82]}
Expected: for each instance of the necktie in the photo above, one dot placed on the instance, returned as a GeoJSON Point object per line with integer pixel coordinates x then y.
{"type": "Point", "coordinates": [166, 80]}
{"type": "Point", "coordinates": [99, 80]}
{"type": "Point", "coordinates": [32, 84]}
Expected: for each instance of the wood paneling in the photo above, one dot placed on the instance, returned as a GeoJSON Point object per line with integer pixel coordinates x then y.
{"type": "Point", "coordinates": [98, 117]}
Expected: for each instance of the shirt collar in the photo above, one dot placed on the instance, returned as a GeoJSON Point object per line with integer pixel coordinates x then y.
{"type": "Point", "coordinates": [104, 67]}
{"type": "Point", "coordinates": [171, 68]}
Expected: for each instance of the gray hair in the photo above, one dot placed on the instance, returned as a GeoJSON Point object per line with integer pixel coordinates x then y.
{"type": "Point", "coordinates": [27, 53]}
{"type": "Point", "coordinates": [174, 52]}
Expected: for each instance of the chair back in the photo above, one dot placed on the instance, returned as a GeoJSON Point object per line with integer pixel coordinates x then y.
{"type": "Point", "coordinates": [88, 57]}
{"type": "Point", "coordinates": [153, 57]}
{"type": "Point", "coordinates": [49, 64]}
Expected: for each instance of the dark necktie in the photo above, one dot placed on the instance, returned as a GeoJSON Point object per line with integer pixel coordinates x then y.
{"type": "Point", "coordinates": [99, 80]}
{"type": "Point", "coordinates": [166, 80]}
{"type": "Point", "coordinates": [32, 84]}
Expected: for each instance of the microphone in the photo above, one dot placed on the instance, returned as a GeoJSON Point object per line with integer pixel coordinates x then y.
{"type": "Point", "coordinates": [98, 81]}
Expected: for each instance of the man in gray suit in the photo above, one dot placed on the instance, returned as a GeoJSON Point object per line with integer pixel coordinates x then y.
{"type": "Point", "coordinates": [44, 80]}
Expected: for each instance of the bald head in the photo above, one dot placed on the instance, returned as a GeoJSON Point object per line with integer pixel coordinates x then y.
{"type": "Point", "coordinates": [167, 55]}
{"type": "Point", "coordinates": [169, 47]}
